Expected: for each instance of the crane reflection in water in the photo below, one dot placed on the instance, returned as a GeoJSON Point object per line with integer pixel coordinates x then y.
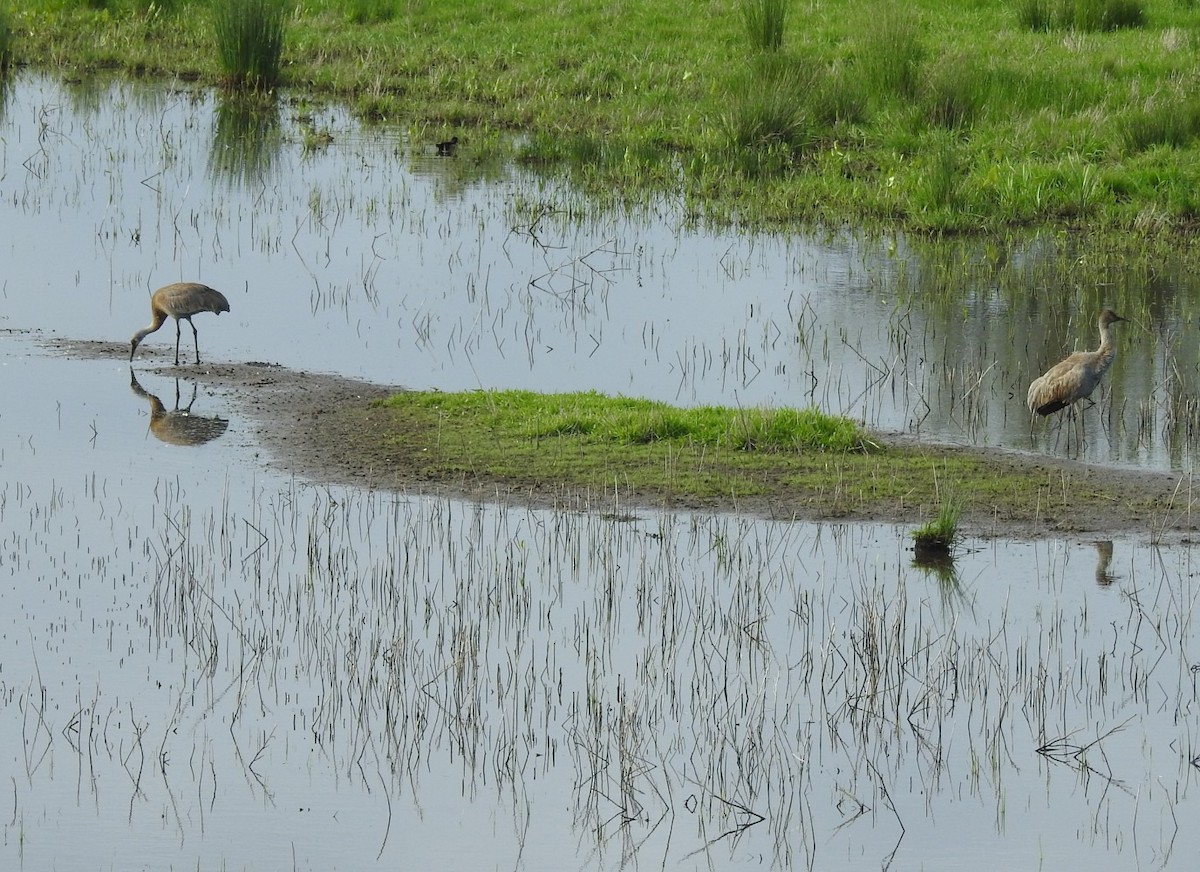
{"type": "Point", "coordinates": [178, 426]}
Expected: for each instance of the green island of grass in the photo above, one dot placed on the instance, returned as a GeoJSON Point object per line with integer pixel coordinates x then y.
{"type": "Point", "coordinates": [587, 448]}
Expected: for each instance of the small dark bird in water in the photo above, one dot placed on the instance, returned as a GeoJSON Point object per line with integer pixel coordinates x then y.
{"type": "Point", "coordinates": [180, 301]}
{"type": "Point", "coordinates": [447, 148]}
{"type": "Point", "coordinates": [1077, 376]}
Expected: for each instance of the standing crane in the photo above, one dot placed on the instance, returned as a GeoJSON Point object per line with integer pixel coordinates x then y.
{"type": "Point", "coordinates": [1077, 376]}
{"type": "Point", "coordinates": [180, 301]}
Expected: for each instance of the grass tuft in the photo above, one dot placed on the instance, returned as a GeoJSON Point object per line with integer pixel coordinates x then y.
{"type": "Point", "coordinates": [250, 37]}
{"type": "Point", "coordinates": [768, 107]}
{"type": "Point", "coordinates": [940, 533]}
{"type": "Point", "coordinates": [891, 53]}
{"type": "Point", "coordinates": [1173, 122]}
{"type": "Point", "coordinates": [764, 21]}
{"type": "Point", "coordinates": [955, 88]}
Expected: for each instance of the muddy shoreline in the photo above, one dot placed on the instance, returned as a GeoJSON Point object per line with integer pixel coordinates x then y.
{"type": "Point", "coordinates": [320, 427]}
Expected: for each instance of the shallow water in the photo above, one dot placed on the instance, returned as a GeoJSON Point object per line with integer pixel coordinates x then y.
{"type": "Point", "coordinates": [206, 664]}
{"type": "Point", "coordinates": [372, 257]}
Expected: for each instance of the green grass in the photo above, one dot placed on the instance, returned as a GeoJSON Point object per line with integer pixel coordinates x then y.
{"type": "Point", "coordinates": [1082, 15]}
{"type": "Point", "coordinates": [595, 418]}
{"type": "Point", "coordinates": [781, 461]}
{"type": "Point", "coordinates": [588, 440]}
{"type": "Point", "coordinates": [1071, 126]}
{"type": "Point", "coordinates": [370, 11]}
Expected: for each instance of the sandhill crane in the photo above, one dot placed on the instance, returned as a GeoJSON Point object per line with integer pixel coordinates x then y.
{"type": "Point", "coordinates": [180, 301]}
{"type": "Point", "coordinates": [1076, 377]}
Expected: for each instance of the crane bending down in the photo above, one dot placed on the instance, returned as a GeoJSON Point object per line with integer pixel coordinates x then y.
{"type": "Point", "coordinates": [180, 301]}
{"type": "Point", "coordinates": [1076, 377]}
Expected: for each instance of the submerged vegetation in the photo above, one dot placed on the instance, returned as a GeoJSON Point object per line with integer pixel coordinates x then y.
{"type": "Point", "coordinates": [1064, 112]}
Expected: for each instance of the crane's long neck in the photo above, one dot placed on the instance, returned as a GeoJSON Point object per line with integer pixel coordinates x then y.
{"type": "Point", "coordinates": [1107, 352]}
{"type": "Point", "coordinates": [159, 317]}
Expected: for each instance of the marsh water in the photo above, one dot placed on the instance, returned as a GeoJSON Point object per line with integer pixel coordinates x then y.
{"type": "Point", "coordinates": [208, 664]}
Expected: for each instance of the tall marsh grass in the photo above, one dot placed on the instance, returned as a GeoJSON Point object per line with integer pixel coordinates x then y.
{"type": "Point", "coordinates": [944, 175]}
{"type": "Point", "coordinates": [769, 109]}
{"type": "Point", "coordinates": [6, 40]}
{"type": "Point", "coordinates": [1083, 15]}
{"type": "Point", "coordinates": [370, 11]}
{"type": "Point", "coordinates": [764, 21]}
{"type": "Point", "coordinates": [891, 52]}
{"type": "Point", "coordinates": [1173, 122]}
{"type": "Point", "coordinates": [955, 88]}
{"type": "Point", "coordinates": [250, 37]}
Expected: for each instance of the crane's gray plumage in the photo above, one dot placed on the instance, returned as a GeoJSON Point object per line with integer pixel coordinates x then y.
{"type": "Point", "coordinates": [180, 301]}
{"type": "Point", "coordinates": [1076, 377]}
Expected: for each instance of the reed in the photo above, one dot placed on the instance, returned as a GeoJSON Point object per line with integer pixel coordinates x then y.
{"type": "Point", "coordinates": [250, 39]}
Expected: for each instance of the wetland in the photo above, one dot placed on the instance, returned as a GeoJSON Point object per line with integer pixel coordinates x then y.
{"type": "Point", "coordinates": [239, 632]}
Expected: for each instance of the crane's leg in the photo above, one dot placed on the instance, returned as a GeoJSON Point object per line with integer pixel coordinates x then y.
{"type": "Point", "coordinates": [195, 339]}
{"type": "Point", "coordinates": [177, 342]}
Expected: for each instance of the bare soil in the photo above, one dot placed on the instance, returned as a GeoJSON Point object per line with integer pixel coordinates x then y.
{"type": "Point", "coordinates": [325, 428]}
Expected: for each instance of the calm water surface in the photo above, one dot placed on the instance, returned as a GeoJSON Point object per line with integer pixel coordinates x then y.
{"type": "Point", "coordinates": [204, 664]}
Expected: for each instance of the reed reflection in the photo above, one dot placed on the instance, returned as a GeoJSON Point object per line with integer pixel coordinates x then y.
{"type": "Point", "coordinates": [178, 426]}
{"type": "Point", "coordinates": [246, 139]}
{"type": "Point", "coordinates": [938, 565]}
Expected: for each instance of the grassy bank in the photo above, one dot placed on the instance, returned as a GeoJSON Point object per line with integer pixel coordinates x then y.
{"type": "Point", "coordinates": [929, 116]}
{"type": "Point", "coordinates": [779, 462]}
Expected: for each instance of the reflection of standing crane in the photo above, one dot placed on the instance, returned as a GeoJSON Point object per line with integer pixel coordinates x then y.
{"type": "Point", "coordinates": [180, 301]}
{"type": "Point", "coordinates": [1104, 555]}
{"type": "Point", "coordinates": [179, 426]}
{"type": "Point", "coordinates": [1076, 377]}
